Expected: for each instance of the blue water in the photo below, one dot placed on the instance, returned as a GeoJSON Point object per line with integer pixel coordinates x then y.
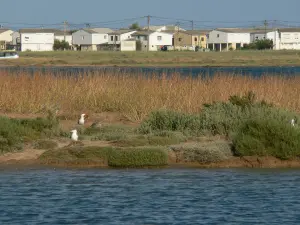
{"type": "Point", "coordinates": [169, 196]}
{"type": "Point", "coordinates": [193, 71]}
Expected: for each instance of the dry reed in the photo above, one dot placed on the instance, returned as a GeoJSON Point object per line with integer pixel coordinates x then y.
{"type": "Point", "coordinates": [135, 96]}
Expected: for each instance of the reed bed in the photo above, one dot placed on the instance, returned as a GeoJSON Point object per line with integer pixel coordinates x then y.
{"type": "Point", "coordinates": [136, 95]}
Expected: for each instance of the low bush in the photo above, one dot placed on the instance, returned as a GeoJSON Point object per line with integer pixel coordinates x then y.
{"type": "Point", "coordinates": [205, 152]}
{"type": "Point", "coordinates": [45, 144]}
{"type": "Point", "coordinates": [14, 132]}
{"type": "Point", "coordinates": [138, 157]}
{"type": "Point", "coordinates": [267, 137]}
{"type": "Point", "coordinates": [114, 157]}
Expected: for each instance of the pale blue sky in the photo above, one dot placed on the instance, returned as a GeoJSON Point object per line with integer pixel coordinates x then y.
{"type": "Point", "coordinates": [215, 13]}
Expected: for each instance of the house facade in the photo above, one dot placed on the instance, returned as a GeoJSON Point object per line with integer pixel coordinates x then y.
{"type": "Point", "coordinates": [117, 36]}
{"type": "Point", "coordinates": [153, 41]}
{"type": "Point", "coordinates": [36, 39]}
{"type": "Point", "coordinates": [5, 38]}
{"type": "Point", "coordinates": [63, 36]}
{"type": "Point", "coordinates": [90, 39]}
{"type": "Point", "coordinates": [199, 37]}
{"type": "Point", "coordinates": [286, 38]}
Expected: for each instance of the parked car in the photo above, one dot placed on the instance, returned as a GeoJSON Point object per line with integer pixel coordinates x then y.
{"type": "Point", "coordinates": [9, 55]}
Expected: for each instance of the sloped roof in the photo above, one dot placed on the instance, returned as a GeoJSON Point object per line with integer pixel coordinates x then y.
{"type": "Point", "coordinates": [121, 31]}
{"type": "Point", "coordinates": [242, 30]}
{"type": "Point", "coordinates": [152, 28]}
{"type": "Point", "coordinates": [102, 30]}
{"type": "Point", "coordinates": [295, 29]}
{"type": "Point", "coordinates": [143, 33]}
{"type": "Point", "coordinates": [46, 30]}
{"type": "Point", "coordinates": [3, 30]}
{"type": "Point", "coordinates": [198, 32]}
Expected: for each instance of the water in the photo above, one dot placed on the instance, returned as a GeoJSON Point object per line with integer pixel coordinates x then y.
{"type": "Point", "coordinates": [169, 196]}
{"type": "Point", "coordinates": [194, 71]}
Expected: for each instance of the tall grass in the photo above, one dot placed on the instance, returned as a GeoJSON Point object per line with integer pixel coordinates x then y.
{"type": "Point", "coordinates": [135, 96]}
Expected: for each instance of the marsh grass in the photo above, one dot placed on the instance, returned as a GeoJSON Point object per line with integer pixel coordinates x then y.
{"type": "Point", "coordinates": [136, 95]}
{"type": "Point", "coordinates": [15, 132]}
{"type": "Point", "coordinates": [106, 156]}
{"type": "Point", "coordinates": [45, 144]}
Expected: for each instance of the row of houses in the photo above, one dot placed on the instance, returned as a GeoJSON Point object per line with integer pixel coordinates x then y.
{"type": "Point", "coordinates": [151, 38]}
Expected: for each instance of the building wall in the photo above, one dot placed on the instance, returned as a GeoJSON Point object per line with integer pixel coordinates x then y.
{"type": "Point", "coordinates": [216, 36]}
{"type": "Point", "coordinates": [182, 39]}
{"type": "Point", "coordinates": [98, 39]}
{"type": "Point", "coordinates": [62, 37]}
{"type": "Point", "coordinates": [120, 37]}
{"type": "Point", "coordinates": [6, 36]}
{"type": "Point", "coordinates": [37, 41]}
{"type": "Point", "coordinates": [16, 38]}
{"type": "Point", "coordinates": [243, 38]}
{"type": "Point", "coordinates": [254, 37]}
{"type": "Point", "coordinates": [81, 37]}
{"type": "Point", "coordinates": [155, 42]}
{"type": "Point", "coordinates": [128, 46]}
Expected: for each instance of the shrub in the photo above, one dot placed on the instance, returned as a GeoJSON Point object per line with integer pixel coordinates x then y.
{"type": "Point", "coordinates": [61, 45]}
{"type": "Point", "coordinates": [138, 157]}
{"type": "Point", "coordinates": [267, 137]}
{"type": "Point", "coordinates": [14, 132]}
{"type": "Point", "coordinates": [205, 152]}
{"type": "Point", "coordinates": [45, 144]}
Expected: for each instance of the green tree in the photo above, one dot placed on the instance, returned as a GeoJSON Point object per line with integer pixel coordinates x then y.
{"type": "Point", "coordinates": [61, 45]}
{"type": "Point", "coordinates": [135, 26]}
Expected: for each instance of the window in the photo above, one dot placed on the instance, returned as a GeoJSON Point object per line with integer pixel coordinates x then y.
{"type": "Point", "coordinates": [179, 39]}
{"type": "Point", "coordinates": [82, 37]}
{"type": "Point", "coordinates": [112, 38]}
{"type": "Point", "coordinates": [195, 39]}
{"type": "Point", "coordinates": [105, 37]}
{"type": "Point", "coordinates": [116, 38]}
{"type": "Point", "coordinates": [218, 35]}
{"type": "Point", "coordinates": [202, 39]}
{"type": "Point", "coordinates": [159, 38]}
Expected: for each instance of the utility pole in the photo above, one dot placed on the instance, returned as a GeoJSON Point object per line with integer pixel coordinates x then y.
{"type": "Point", "coordinates": [65, 29]}
{"type": "Point", "coordinates": [192, 21]}
{"type": "Point", "coordinates": [148, 22]}
{"type": "Point", "coordinates": [266, 25]}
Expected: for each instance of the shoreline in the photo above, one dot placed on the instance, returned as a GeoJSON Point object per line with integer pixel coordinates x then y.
{"type": "Point", "coordinates": [252, 162]}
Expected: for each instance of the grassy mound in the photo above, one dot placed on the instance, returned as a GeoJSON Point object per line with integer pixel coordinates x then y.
{"type": "Point", "coordinates": [106, 156]}
{"type": "Point", "coordinates": [161, 138]}
{"type": "Point", "coordinates": [14, 132]}
{"type": "Point", "coordinates": [45, 144]}
{"type": "Point", "coordinates": [109, 133]}
{"type": "Point", "coordinates": [206, 152]}
{"type": "Point", "coordinates": [267, 137]}
{"type": "Point", "coordinates": [218, 118]}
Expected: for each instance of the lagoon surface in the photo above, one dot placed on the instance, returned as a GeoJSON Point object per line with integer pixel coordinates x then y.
{"type": "Point", "coordinates": [165, 196]}
{"type": "Point", "coordinates": [193, 71]}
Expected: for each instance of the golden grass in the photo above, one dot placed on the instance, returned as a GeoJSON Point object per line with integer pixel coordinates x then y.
{"type": "Point", "coordinates": [135, 96]}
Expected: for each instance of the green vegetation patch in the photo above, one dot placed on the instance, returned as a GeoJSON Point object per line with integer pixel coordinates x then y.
{"type": "Point", "coordinates": [106, 156]}
{"type": "Point", "coordinates": [205, 152]}
{"type": "Point", "coordinates": [45, 144]}
{"type": "Point", "coordinates": [14, 132]}
{"type": "Point", "coordinates": [138, 157]}
{"type": "Point", "coordinates": [267, 137]}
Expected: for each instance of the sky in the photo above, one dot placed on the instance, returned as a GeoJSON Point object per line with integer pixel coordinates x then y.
{"type": "Point", "coordinates": [121, 13]}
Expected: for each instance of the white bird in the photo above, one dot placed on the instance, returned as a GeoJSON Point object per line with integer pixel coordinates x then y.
{"type": "Point", "coordinates": [74, 135]}
{"type": "Point", "coordinates": [82, 118]}
{"type": "Point", "coordinates": [293, 122]}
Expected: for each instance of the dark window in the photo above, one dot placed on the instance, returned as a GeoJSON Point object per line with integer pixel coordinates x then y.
{"type": "Point", "coordinates": [218, 35]}
{"type": "Point", "coordinates": [111, 38]}
{"type": "Point", "coordinates": [179, 39]}
{"type": "Point", "coordinates": [202, 39]}
{"type": "Point", "coordinates": [196, 39]}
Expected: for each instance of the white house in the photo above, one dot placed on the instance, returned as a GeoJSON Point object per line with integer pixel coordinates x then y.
{"type": "Point", "coordinates": [285, 38]}
{"type": "Point", "coordinates": [5, 37]}
{"type": "Point", "coordinates": [153, 40]}
{"type": "Point", "coordinates": [63, 36]}
{"type": "Point", "coordinates": [90, 39]}
{"type": "Point", "coordinates": [36, 39]}
{"type": "Point", "coordinates": [117, 36]}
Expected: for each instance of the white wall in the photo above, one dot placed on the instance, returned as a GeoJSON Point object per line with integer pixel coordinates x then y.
{"type": "Point", "coordinates": [37, 41]}
{"type": "Point", "coordinates": [155, 42]}
{"type": "Point", "coordinates": [98, 39]}
{"type": "Point", "coordinates": [238, 38]}
{"type": "Point", "coordinates": [6, 36]}
{"type": "Point", "coordinates": [62, 37]}
{"type": "Point", "coordinates": [119, 37]}
{"type": "Point", "coordinates": [81, 37]}
{"type": "Point", "coordinates": [128, 46]}
{"type": "Point", "coordinates": [216, 36]}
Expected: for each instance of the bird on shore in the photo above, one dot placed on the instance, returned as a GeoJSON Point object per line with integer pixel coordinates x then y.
{"type": "Point", "coordinates": [82, 119]}
{"type": "Point", "coordinates": [293, 122]}
{"type": "Point", "coordinates": [74, 135]}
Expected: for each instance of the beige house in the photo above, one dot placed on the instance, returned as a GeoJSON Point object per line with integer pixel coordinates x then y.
{"type": "Point", "coordinates": [199, 37]}
{"type": "Point", "coordinates": [5, 38]}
